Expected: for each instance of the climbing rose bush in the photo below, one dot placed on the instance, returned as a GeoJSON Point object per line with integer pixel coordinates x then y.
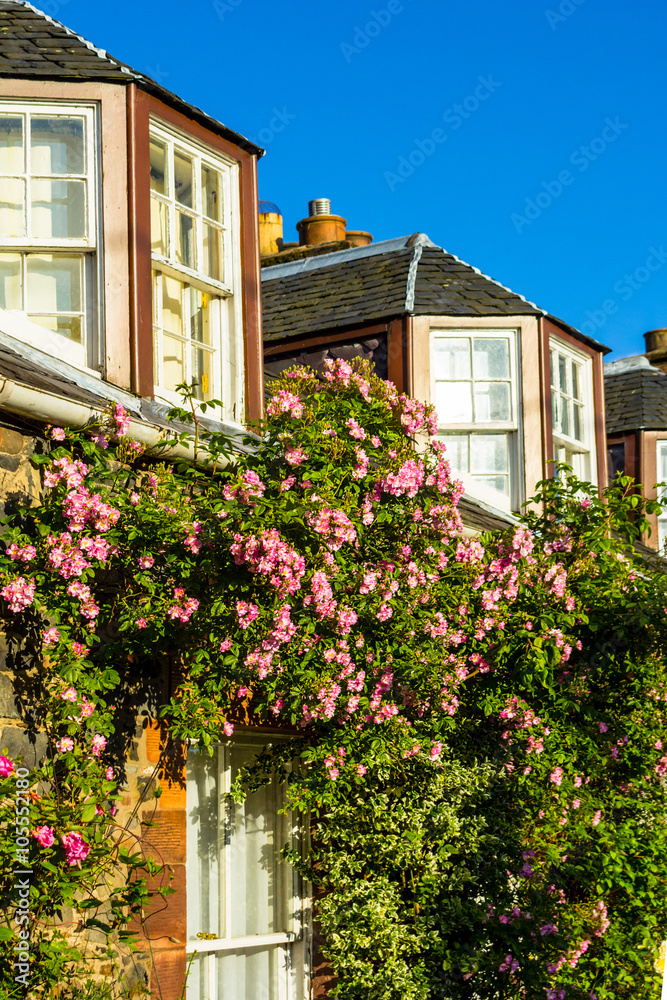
{"type": "Point", "coordinates": [477, 723]}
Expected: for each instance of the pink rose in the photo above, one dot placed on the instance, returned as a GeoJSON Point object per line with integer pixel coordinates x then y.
{"type": "Point", "coordinates": [76, 848]}
{"type": "Point", "coordinates": [6, 767]}
{"type": "Point", "coordinates": [228, 728]}
{"type": "Point", "coordinates": [99, 743]}
{"type": "Point", "coordinates": [51, 636]}
{"type": "Point", "coordinates": [65, 744]}
{"type": "Point", "coordinates": [44, 836]}
{"type": "Point", "coordinates": [69, 695]}
{"type": "Point", "coordinates": [57, 434]}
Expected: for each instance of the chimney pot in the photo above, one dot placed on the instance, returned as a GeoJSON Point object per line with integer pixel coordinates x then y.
{"type": "Point", "coordinates": [319, 206]}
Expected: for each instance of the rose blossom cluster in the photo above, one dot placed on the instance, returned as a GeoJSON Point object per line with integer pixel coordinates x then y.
{"type": "Point", "coordinates": [72, 472]}
{"type": "Point", "coordinates": [250, 485]}
{"type": "Point", "coordinates": [284, 402]}
{"type": "Point", "coordinates": [19, 593]}
{"type": "Point", "coordinates": [335, 527]}
{"type": "Point", "coordinates": [184, 608]}
{"type": "Point", "coordinates": [82, 508]}
{"type": "Point", "coordinates": [267, 554]}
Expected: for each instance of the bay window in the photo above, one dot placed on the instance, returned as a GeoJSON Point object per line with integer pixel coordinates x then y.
{"type": "Point", "coordinates": [245, 921]}
{"type": "Point", "coordinates": [193, 253]}
{"type": "Point", "coordinates": [572, 410]}
{"type": "Point", "coordinates": [475, 396]}
{"type": "Point", "coordinates": [48, 224]}
{"type": "Point", "coordinates": [662, 494]}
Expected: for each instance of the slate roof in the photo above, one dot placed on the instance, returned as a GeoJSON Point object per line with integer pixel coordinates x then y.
{"type": "Point", "coordinates": [405, 276]}
{"type": "Point", "coordinates": [635, 396]}
{"type": "Point", "coordinates": [34, 45]}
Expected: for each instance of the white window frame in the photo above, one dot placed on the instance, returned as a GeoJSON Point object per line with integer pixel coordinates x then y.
{"type": "Point", "coordinates": [292, 944]}
{"type": "Point", "coordinates": [228, 367]}
{"type": "Point", "coordinates": [87, 247]}
{"type": "Point", "coordinates": [584, 452]}
{"type": "Point", "coordinates": [510, 427]}
{"type": "Point", "coordinates": [661, 455]}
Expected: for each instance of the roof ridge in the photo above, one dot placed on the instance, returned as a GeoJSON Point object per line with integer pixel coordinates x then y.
{"type": "Point", "coordinates": [411, 282]}
{"type": "Point", "coordinates": [291, 268]}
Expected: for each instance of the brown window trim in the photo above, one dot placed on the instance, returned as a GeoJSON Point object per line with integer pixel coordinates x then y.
{"type": "Point", "coordinates": [549, 330]}
{"type": "Point", "coordinates": [141, 107]}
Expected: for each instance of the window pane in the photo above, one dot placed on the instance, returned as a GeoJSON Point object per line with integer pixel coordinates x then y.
{"type": "Point", "coordinates": [555, 413]}
{"type": "Point", "coordinates": [578, 432]}
{"type": "Point", "coordinates": [11, 145]}
{"type": "Point", "coordinates": [255, 868]}
{"type": "Point", "coordinates": [54, 284]}
{"type": "Point", "coordinates": [185, 239]}
{"type": "Point", "coordinates": [200, 372]}
{"type": "Point", "coordinates": [565, 423]}
{"type": "Point", "coordinates": [57, 146]}
{"type": "Point", "coordinates": [492, 358]}
{"type": "Point", "coordinates": [66, 326]}
{"type": "Point", "coordinates": [662, 464]}
{"type": "Point", "coordinates": [554, 369]}
{"type": "Point", "coordinates": [200, 328]}
{"type": "Point", "coordinates": [452, 358]}
{"type": "Point", "coordinates": [492, 402]}
{"type": "Point", "coordinates": [576, 381]}
{"type": "Point", "coordinates": [489, 453]}
{"type": "Point", "coordinates": [211, 188]}
{"type": "Point", "coordinates": [173, 357]}
{"type": "Point", "coordinates": [158, 167]}
{"type": "Point", "coordinates": [212, 254]}
{"type": "Point", "coordinates": [183, 179]}
{"type": "Point", "coordinates": [172, 305]}
{"type": "Point", "coordinates": [159, 228]}
{"type": "Point", "coordinates": [10, 281]}
{"type": "Point", "coordinates": [562, 374]}
{"type": "Point", "coordinates": [12, 213]}
{"type": "Point", "coordinates": [251, 974]}
{"type": "Point", "coordinates": [457, 451]}
{"type": "Point", "coordinates": [58, 208]}
{"type": "Point", "coordinates": [500, 484]}
{"type": "Point", "coordinates": [453, 402]}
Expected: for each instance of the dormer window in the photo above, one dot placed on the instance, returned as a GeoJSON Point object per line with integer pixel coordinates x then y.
{"type": "Point", "coordinates": [192, 240]}
{"type": "Point", "coordinates": [48, 230]}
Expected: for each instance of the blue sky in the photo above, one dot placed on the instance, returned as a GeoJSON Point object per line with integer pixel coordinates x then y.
{"type": "Point", "coordinates": [550, 176]}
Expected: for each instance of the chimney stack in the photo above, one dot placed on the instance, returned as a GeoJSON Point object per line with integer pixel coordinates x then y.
{"type": "Point", "coordinates": [656, 348]}
{"type": "Point", "coordinates": [270, 229]}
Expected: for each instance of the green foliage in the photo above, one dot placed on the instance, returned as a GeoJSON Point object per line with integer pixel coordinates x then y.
{"type": "Point", "coordinates": [473, 728]}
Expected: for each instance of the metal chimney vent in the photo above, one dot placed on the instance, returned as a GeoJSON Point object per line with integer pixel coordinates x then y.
{"type": "Point", "coordinates": [319, 206]}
